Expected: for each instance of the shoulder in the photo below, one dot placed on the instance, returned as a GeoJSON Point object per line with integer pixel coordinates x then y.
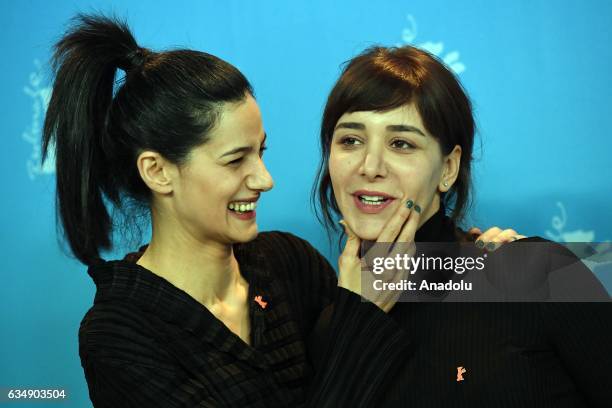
{"type": "Point", "coordinates": [556, 267]}
{"type": "Point", "coordinates": [124, 363]}
{"type": "Point", "coordinates": [116, 332]}
{"type": "Point", "coordinates": [296, 262]}
{"type": "Point", "coordinates": [548, 253]}
{"type": "Point", "coordinates": [283, 241]}
{"type": "Point", "coordinates": [287, 250]}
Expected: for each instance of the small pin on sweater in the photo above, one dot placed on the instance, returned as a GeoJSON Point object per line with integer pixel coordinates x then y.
{"type": "Point", "coordinates": [260, 301]}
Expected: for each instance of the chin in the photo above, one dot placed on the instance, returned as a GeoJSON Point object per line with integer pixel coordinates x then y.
{"type": "Point", "coordinates": [244, 236]}
{"type": "Point", "coordinates": [366, 231]}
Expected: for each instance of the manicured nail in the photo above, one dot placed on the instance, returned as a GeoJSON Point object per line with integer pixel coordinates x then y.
{"type": "Point", "coordinates": [480, 244]}
{"type": "Point", "coordinates": [409, 204]}
{"type": "Point", "coordinates": [491, 246]}
{"type": "Point", "coordinates": [417, 208]}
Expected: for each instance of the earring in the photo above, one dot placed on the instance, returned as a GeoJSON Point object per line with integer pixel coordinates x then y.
{"type": "Point", "coordinates": [445, 184]}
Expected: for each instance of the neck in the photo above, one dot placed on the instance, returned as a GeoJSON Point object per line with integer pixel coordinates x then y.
{"type": "Point", "coordinates": [432, 209]}
{"type": "Point", "coordinates": [206, 270]}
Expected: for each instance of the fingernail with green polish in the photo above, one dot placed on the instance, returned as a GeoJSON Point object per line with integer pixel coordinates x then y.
{"type": "Point", "coordinates": [417, 208]}
{"type": "Point", "coordinates": [409, 204]}
{"type": "Point", "coordinates": [480, 244]}
{"type": "Point", "coordinates": [491, 246]}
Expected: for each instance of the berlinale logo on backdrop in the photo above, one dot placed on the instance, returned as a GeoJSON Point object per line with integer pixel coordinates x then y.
{"type": "Point", "coordinates": [451, 59]}
{"type": "Point", "coordinates": [40, 93]}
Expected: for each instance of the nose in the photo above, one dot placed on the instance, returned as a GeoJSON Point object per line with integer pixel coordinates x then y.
{"type": "Point", "coordinates": [260, 179]}
{"type": "Point", "coordinates": [373, 165]}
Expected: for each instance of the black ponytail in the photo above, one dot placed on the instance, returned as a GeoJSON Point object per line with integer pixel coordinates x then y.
{"type": "Point", "coordinates": [168, 103]}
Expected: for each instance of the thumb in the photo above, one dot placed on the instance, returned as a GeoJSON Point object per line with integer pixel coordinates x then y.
{"type": "Point", "coordinates": [349, 263]}
{"type": "Point", "coordinates": [475, 231]}
{"type": "Point", "coordinates": [351, 248]}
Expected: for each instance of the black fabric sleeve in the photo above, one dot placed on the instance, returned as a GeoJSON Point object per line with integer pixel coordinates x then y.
{"type": "Point", "coordinates": [310, 282]}
{"type": "Point", "coordinates": [358, 349]}
{"type": "Point", "coordinates": [580, 329]}
{"type": "Point", "coordinates": [566, 278]}
{"type": "Point", "coordinates": [114, 385]}
{"type": "Point", "coordinates": [580, 333]}
{"type": "Point", "coordinates": [125, 367]}
{"type": "Point", "coordinates": [353, 345]}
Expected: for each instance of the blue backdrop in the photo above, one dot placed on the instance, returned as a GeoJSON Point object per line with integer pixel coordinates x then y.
{"type": "Point", "coordinates": [538, 72]}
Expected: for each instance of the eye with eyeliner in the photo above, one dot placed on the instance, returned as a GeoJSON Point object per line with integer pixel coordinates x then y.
{"type": "Point", "coordinates": [401, 144]}
{"type": "Point", "coordinates": [348, 141]}
{"type": "Point", "coordinates": [236, 161]}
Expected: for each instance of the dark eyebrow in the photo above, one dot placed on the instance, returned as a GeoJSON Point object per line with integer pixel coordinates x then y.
{"type": "Point", "coordinates": [390, 128]}
{"type": "Point", "coordinates": [350, 125]}
{"type": "Point", "coordinates": [405, 128]}
{"type": "Point", "coordinates": [243, 149]}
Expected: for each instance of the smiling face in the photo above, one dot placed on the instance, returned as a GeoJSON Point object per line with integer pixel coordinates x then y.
{"type": "Point", "coordinates": [218, 188]}
{"type": "Point", "coordinates": [378, 160]}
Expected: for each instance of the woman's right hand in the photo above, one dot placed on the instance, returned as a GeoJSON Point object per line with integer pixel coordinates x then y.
{"type": "Point", "coordinates": [355, 274]}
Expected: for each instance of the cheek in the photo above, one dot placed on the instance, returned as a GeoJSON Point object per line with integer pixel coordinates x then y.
{"type": "Point", "coordinates": [340, 171]}
{"type": "Point", "coordinates": [335, 169]}
{"type": "Point", "coordinates": [417, 176]}
{"type": "Point", "coordinates": [204, 193]}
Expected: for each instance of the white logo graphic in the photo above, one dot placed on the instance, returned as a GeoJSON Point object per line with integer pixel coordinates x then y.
{"type": "Point", "coordinates": [40, 99]}
{"type": "Point", "coordinates": [451, 59]}
{"type": "Point", "coordinates": [596, 255]}
{"type": "Point", "coordinates": [558, 224]}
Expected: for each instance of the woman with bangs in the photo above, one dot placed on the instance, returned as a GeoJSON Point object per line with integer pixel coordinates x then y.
{"type": "Point", "coordinates": [396, 138]}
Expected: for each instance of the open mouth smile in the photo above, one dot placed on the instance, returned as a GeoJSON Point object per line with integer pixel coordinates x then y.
{"type": "Point", "coordinates": [244, 210]}
{"type": "Point", "coordinates": [372, 202]}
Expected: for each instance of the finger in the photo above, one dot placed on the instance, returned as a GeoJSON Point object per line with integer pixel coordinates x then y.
{"type": "Point", "coordinates": [349, 263]}
{"type": "Point", "coordinates": [486, 237]}
{"type": "Point", "coordinates": [410, 227]}
{"type": "Point", "coordinates": [351, 247]}
{"type": "Point", "coordinates": [504, 237]}
{"type": "Point", "coordinates": [394, 225]}
{"type": "Point", "coordinates": [404, 243]}
{"type": "Point", "coordinates": [475, 231]}
{"type": "Point", "coordinates": [400, 228]}
{"type": "Point", "coordinates": [510, 235]}
{"type": "Point", "coordinates": [489, 234]}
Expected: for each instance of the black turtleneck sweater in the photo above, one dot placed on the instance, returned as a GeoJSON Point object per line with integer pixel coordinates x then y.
{"type": "Point", "coordinates": [536, 354]}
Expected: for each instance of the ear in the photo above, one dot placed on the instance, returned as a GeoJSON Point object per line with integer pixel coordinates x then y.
{"type": "Point", "coordinates": [156, 172]}
{"type": "Point", "coordinates": [452, 163]}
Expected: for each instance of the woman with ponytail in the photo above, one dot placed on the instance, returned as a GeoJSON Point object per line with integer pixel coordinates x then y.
{"type": "Point", "coordinates": [205, 315]}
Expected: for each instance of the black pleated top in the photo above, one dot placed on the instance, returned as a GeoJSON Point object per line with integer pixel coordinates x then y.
{"type": "Point", "coordinates": [146, 343]}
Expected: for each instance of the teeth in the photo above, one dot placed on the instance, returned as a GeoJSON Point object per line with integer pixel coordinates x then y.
{"type": "Point", "coordinates": [242, 207]}
{"type": "Point", "coordinates": [372, 200]}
